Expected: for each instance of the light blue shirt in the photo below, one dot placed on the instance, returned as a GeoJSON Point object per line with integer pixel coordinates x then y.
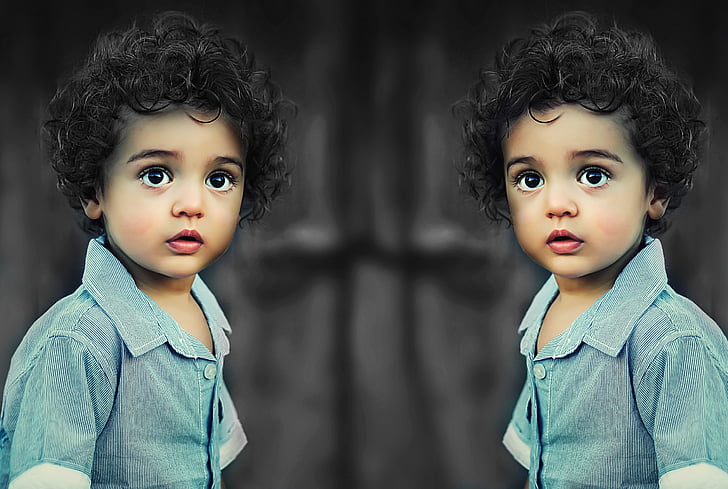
{"type": "Point", "coordinates": [107, 391]}
{"type": "Point", "coordinates": [634, 392]}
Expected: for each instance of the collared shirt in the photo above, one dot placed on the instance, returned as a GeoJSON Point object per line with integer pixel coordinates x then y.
{"type": "Point", "coordinates": [634, 392]}
{"type": "Point", "coordinates": [107, 391]}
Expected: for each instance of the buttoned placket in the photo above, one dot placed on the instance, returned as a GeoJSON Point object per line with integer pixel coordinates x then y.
{"type": "Point", "coordinates": [535, 424]}
{"type": "Point", "coordinates": [540, 368]}
{"type": "Point", "coordinates": [211, 373]}
{"type": "Point", "coordinates": [542, 377]}
{"type": "Point", "coordinates": [208, 366]}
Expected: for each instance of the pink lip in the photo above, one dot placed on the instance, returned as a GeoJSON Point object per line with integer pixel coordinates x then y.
{"type": "Point", "coordinates": [186, 242]}
{"type": "Point", "coordinates": [563, 242]}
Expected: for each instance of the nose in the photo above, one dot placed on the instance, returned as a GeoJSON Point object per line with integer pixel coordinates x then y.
{"type": "Point", "coordinates": [188, 202]}
{"type": "Point", "coordinates": [560, 202]}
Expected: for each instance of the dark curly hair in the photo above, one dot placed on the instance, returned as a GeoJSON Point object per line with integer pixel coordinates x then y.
{"type": "Point", "coordinates": [178, 61]}
{"type": "Point", "coordinates": [571, 61]}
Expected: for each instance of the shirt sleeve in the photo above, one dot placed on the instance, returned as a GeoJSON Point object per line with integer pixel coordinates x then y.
{"type": "Point", "coordinates": [683, 402]}
{"type": "Point", "coordinates": [50, 476]}
{"type": "Point", "coordinates": [63, 406]}
{"type": "Point", "coordinates": [517, 438]}
{"type": "Point", "coordinates": [697, 476]}
{"type": "Point", "coordinates": [232, 437]}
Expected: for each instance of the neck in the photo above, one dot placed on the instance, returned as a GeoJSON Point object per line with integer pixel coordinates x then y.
{"type": "Point", "coordinates": [584, 289]}
{"type": "Point", "coordinates": [166, 289]}
{"type": "Point", "coordinates": [591, 287]}
{"type": "Point", "coordinates": [159, 288]}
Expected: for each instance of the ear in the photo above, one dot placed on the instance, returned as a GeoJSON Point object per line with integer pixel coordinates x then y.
{"type": "Point", "coordinates": [92, 208]}
{"type": "Point", "coordinates": [657, 206]}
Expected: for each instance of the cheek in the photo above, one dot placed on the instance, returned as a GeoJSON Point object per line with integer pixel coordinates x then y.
{"type": "Point", "coordinates": [141, 223]}
{"type": "Point", "coordinates": [225, 217]}
{"type": "Point", "coordinates": [232, 206]}
{"type": "Point", "coordinates": [133, 220]}
{"type": "Point", "coordinates": [513, 207]}
{"type": "Point", "coordinates": [527, 233]}
{"type": "Point", "coordinates": [229, 213]}
{"type": "Point", "coordinates": [620, 224]}
{"type": "Point", "coordinates": [522, 212]}
{"type": "Point", "coordinates": [132, 229]}
{"type": "Point", "coordinates": [611, 223]}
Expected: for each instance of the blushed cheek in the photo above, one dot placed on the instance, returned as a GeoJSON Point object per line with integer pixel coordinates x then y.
{"type": "Point", "coordinates": [612, 225]}
{"type": "Point", "coordinates": [524, 218]}
{"type": "Point", "coordinates": [620, 225]}
{"type": "Point", "coordinates": [526, 234]}
{"type": "Point", "coordinates": [133, 227]}
{"type": "Point", "coordinates": [141, 222]}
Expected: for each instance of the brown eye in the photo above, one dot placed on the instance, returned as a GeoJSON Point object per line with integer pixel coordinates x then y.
{"type": "Point", "coordinates": [594, 177]}
{"type": "Point", "coordinates": [529, 181]}
{"type": "Point", "coordinates": [220, 181]}
{"type": "Point", "coordinates": [155, 177]}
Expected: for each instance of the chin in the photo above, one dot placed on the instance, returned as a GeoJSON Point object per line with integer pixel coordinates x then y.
{"type": "Point", "coordinates": [570, 272]}
{"type": "Point", "coordinates": [180, 273]}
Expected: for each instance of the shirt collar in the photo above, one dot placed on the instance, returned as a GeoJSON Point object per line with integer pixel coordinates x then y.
{"type": "Point", "coordinates": [607, 323]}
{"type": "Point", "coordinates": [219, 326]}
{"type": "Point", "coordinates": [141, 323]}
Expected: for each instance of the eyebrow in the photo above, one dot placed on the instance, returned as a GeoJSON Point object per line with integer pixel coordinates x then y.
{"type": "Point", "coordinates": [526, 160]}
{"type": "Point", "coordinates": [163, 153]}
{"type": "Point", "coordinates": [152, 153]}
{"type": "Point", "coordinates": [586, 153]}
{"type": "Point", "coordinates": [221, 160]}
{"type": "Point", "coordinates": [596, 153]}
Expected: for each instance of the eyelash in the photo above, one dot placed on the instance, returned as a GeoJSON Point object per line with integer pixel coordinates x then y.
{"type": "Point", "coordinates": [148, 170]}
{"type": "Point", "coordinates": [598, 169]}
{"type": "Point", "coordinates": [234, 181]}
{"type": "Point", "coordinates": [518, 178]}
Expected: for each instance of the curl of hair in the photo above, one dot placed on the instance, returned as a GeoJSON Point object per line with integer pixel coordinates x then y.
{"type": "Point", "coordinates": [570, 61]}
{"type": "Point", "coordinates": [177, 61]}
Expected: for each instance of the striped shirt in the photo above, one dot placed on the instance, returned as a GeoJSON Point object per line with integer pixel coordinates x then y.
{"type": "Point", "coordinates": [107, 391]}
{"type": "Point", "coordinates": [634, 394]}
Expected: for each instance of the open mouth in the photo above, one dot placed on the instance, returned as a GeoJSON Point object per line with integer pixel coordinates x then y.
{"type": "Point", "coordinates": [186, 242]}
{"type": "Point", "coordinates": [560, 235]}
{"type": "Point", "coordinates": [562, 238]}
{"type": "Point", "coordinates": [562, 241]}
{"type": "Point", "coordinates": [188, 235]}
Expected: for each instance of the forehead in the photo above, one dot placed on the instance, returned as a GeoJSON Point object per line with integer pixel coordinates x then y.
{"type": "Point", "coordinates": [567, 128]}
{"type": "Point", "coordinates": [178, 128]}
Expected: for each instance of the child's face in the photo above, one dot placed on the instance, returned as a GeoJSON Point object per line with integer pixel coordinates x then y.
{"type": "Point", "coordinates": [577, 192]}
{"type": "Point", "coordinates": [172, 194]}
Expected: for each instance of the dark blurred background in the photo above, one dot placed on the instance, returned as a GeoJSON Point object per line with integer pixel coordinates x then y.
{"type": "Point", "coordinates": [374, 311]}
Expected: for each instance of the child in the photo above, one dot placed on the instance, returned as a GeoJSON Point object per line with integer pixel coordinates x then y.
{"type": "Point", "coordinates": [583, 140]}
{"type": "Point", "coordinates": [165, 140]}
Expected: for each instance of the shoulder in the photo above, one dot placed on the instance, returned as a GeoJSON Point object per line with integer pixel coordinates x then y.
{"type": "Point", "coordinates": [78, 316]}
{"type": "Point", "coordinates": [672, 316]}
{"type": "Point", "coordinates": [81, 324]}
{"type": "Point", "coordinates": [673, 325]}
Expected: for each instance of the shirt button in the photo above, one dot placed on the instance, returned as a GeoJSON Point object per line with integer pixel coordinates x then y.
{"type": "Point", "coordinates": [539, 371]}
{"type": "Point", "coordinates": [210, 371]}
